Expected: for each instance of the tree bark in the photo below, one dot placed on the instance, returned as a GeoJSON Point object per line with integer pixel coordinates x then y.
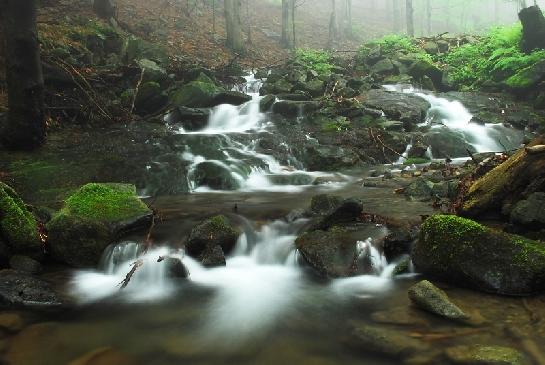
{"type": "Point", "coordinates": [410, 17]}
{"type": "Point", "coordinates": [533, 28]}
{"type": "Point", "coordinates": [233, 26]}
{"type": "Point", "coordinates": [25, 126]}
{"type": "Point", "coordinates": [333, 27]}
{"type": "Point", "coordinates": [288, 18]}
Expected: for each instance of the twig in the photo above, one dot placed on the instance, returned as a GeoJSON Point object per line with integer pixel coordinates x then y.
{"type": "Point", "coordinates": [377, 138]}
{"type": "Point", "coordinates": [136, 89]}
{"type": "Point", "coordinates": [135, 266]}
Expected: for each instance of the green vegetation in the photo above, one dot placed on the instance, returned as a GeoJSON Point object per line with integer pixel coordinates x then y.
{"type": "Point", "coordinates": [314, 59]}
{"type": "Point", "coordinates": [337, 125]}
{"type": "Point", "coordinates": [492, 59]}
{"type": "Point", "coordinates": [394, 44]}
{"type": "Point", "coordinates": [416, 161]}
{"type": "Point", "coordinates": [105, 202]}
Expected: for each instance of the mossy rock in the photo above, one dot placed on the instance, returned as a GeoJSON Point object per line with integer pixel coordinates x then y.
{"type": "Point", "coordinates": [486, 355]}
{"type": "Point", "coordinates": [17, 224]}
{"type": "Point", "coordinates": [199, 93]}
{"type": "Point", "coordinates": [465, 253]}
{"type": "Point", "coordinates": [212, 232]}
{"type": "Point", "coordinates": [91, 219]}
{"type": "Point", "coordinates": [527, 78]}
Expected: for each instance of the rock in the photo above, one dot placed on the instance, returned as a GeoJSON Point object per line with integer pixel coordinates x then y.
{"type": "Point", "coordinates": [152, 71]}
{"type": "Point", "coordinates": [104, 9]}
{"type": "Point", "coordinates": [485, 355]}
{"type": "Point", "coordinates": [314, 87]}
{"type": "Point", "coordinates": [407, 108]}
{"type": "Point", "coordinates": [199, 93]}
{"type": "Point", "coordinates": [530, 212]}
{"type": "Point", "coordinates": [212, 257]}
{"type": "Point", "coordinates": [18, 225]}
{"type": "Point", "coordinates": [387, 342]}
{"type": "Point", "coordinates": [150, 98]}
{"type": "Point", "coordinates": [421, 68]}
{"type": "Point", "coordinates": [332, 254]}
{"type": "Point", "coordinates": [289, 108]}
{"type": "Point", "coordinates": [443, 46]}
{"type": "Point", "coordinates": [448, 143]}
{"type": "Point", "coordinates": [540, 101]}
{"type": "Point", "coordinates": [324, 203]}
{"type": "Point", "coordinates": [329, 158]}
{"type": "Point", "coordinates": [527, 78]}
{"type": "Point", "coordinates": [431, 48]}
{"type": "Point", "coordinates": [266, 103]}
{"type": "Point", "coordinates": [191, 119]}
{"type": "Point", "coordinates": [347, 211]}
{"type": "Point", "coordinates": [383, 66]}
{"type": "Point", "coordinates": [104, 356]}
{"type": "Point", "coordinates": [135, 49]}
{"type": "Point", "coordinates": [403, 266]}
{"type": "Point", "coordinates": [402, 316]}
{"type": "Point", "coordinates": [430, 298]}
{"type": "Point", "coordinates": [301, 96]}
{"type": "Point", "coordinates": [176, 268]}
{"type": "Point", "coordinates": [420, 188]}
{"type": "Point", "coordinates": [215, 176]}
{"type": "Point", "coordinates": [11, 322]}
{"type": "Point", "coordinates": [91, 219]}
{"type": "Point", "coordinates": [398, 242]}
{"type": "Point", "coordinates": [25, 264]}
{"type": "Point", "coordinates": [19, 289]}
{"type": "Point", "coordinates": [533, 28]}
{"type": "Point", "coordinates": [212, 232]}
{"type": "Point", "coordinates": [231, 97]}
{"type": "Point", "coordinates": [462, 252]}
{"type": "Point", "coordinates": [280, 86]}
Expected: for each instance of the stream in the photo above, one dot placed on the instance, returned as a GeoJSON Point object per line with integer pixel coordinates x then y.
{"type": "Point", "coordinates": [264, 307]}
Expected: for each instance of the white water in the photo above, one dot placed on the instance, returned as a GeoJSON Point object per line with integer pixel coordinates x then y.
{"type": "Point", "coordinates": [261, 281]}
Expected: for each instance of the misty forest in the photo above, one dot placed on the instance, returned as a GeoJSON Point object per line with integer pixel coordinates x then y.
{"type": "Point", "coordinates": [259, 182]}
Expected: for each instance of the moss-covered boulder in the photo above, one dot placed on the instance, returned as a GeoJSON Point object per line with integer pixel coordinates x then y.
{"type": "Point", "coordinates": [91, 219]}
{"type": "Point", "coordinates": [18, 226]}
{"type": "Point", "coordinates": [150, 98]}
{"type": "Point", "coordinates": [486, 355]}
{"type": "Point", "coordinates": [210, 239]}
{"type": "Point", "coordinates": [199, 93]}
{"type": "Point", "coordinates": [466, 253]}
{"type": "Point", "coordinates": [527, 78]}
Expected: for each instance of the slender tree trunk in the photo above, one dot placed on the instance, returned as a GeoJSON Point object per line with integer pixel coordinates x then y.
{"type": "Point", "coordinates": [214, 16]}
{"type": "Point", "coordinates": [347, 18]}
{"type": "Point", "coordinates": [25, 127]}
{"type": "Point", "coordinates": [249, 20]}
{"type": "Point", "coordinates": [428, 17]}
{"type": "Point", "coordinates": [396, 14]}
{"type": "Point", "coordinates": [293, 22]}
{"type": "Point", "coordinates": [288, 35]}
{"type": "Point", "coordinates": [332, 25]}
{"type": "Point", "coordinates": [409, 12]}
{"type": "Point", "coordinates": [233, 27]}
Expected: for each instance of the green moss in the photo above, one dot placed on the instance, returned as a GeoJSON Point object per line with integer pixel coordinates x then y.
{"type": "Point", "coordinates": [105, 202]}
{"type": "Point", "coordinates": [415, 161]}
{"type": "Point", "coordinates": [315, 60]}
{"type": "Point", "coordinates": [521, 80]}
{"type": "Point", "coordinates": [17, 224]}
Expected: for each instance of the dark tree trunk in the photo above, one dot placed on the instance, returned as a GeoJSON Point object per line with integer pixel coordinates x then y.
{"type": "Point", "coordinates": [288, 36]}
{"type": "Point", "coordinates": [409, 12]}
{"type": "Point", "coordinates": [233, 26]}
{"type": "Point", "coordinates": [25, 127]}
{"type": "Point", "coordinates": [104, 8]}
{"type": "Point", "coordinates": [533, 28]}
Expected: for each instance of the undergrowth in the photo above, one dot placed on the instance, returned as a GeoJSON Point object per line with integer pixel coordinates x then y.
{"type": "Point", "coordinates": [314, 59]}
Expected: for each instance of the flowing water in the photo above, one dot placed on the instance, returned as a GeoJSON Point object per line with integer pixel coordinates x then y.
{"type": "Point", "coordinates": [263, 307]}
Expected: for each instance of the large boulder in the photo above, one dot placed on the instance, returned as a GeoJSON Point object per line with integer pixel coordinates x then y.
{"type": "Point", "coordinates": [530, 212]}
{"type": "Point", "coordinates": [210, 239]}
{"type": "Point", "coordinates": [407, 108]}
{"type": "Point", "coordinates": [18, 289]}
{"type": "Point", "coordinates": [150, 98]}
{"type": "Point", "coordinates": [152, 71]}
{"type": "Point", "coordinates": [18, 225]}
{"type": "Point", "coordinates": [533, 28]}
{"type": "Point", "coordinates": [191, 119]}
{"type": "Point", "coordinates": [199, 93]}
{"type": "Point", "coordinates": [466, 253]}
{"type": "Point", "coordinates": [91, 219]}
{"type": "Point", "coordinates": [330, 158]}
{"type": "Point", "coordinates": [527, 78]}
{"type": "Point", "coordinates": [215, 176]}
{"type": "Point", "coordinates": [232, 97]}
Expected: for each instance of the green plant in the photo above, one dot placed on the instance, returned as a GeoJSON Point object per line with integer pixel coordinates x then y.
{"type": "Point", "coordinates": [337, 125]}
{"type": "Point", "coordinates": [314, 59]}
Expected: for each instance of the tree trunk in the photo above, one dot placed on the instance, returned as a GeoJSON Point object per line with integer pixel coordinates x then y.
{"type": "Point", "coordinates": [410, 17]}
{"type": "Point", "coordinates": [428, 17]}
{"type": "Point", "coordinates": [347, 18]}
{"type": "Point", "coordinates": [233, 26]}
{"type": "Point", "coordinates": [332, 25]}
{"type": "Point", "coordinates": [533, 28]}
{"type": "Point", "coordinates": [288, 36]}
{"type": "Point", "coordinates": [104, 8]}
{"type": "Point", "coordinates": [396, 16]}
{"type": "Point", "coordinates": [25, 127]}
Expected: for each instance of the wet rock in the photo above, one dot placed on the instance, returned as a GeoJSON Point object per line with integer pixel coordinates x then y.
{"type": "Point", "coordinates": [212, 232]}
{"type": "Point", "coordinates": [18, 289]}
{"type": "Point", "coordinates": [11, 322]}
{"type": "Point", "coordinates": [290, 108]}
{"type": "Point", "coordinates": [25, 264]}
{"type": "Point", "coordinates": [399, 242]}
{"type": "Point", "coordinates": [485, 355]}
{"type": "Point", "coordinates": [18, 226]}
{"type": "Point", "coordinates": [176, 268]}
{"type": "Point", "coordinates": [150, 98]}
{"type": "Point", "coordinates": [152, 71]}
{"type": "Point", "coordinates": [91, 219]}
{"type": "Point", "coordinates": [191, 119]}
{"type": "Point", "coordinates": [231, 97]}
{"type": "Point", "coordinates": [407, 108]}
{"type": "Point", "coordinates": [329, 158]}
{"type": "Point", "coordinates": [104, 356]}
{"type": "Point", "coordinates": [332, 254]}
{"type": "Point", "coordinates": [314, 87]}
{"type": "Point", "coordinates": [533, 28]}
{"type": "Point", "coordinates": [266, 102]}
{"type": "Point", "coordinates": [281, 86]}
{"type": "Point", "coordinates": [422, 68]}
{"type": "Point", "coordinates": [530, 212]}
{"type": "Point", "coordinates": [383, 66]}
{"type": "Point", "coordinates": [213, 257]}
{"type": "Point", "coordinates": [324, 203]}
{"type": "Point", "coordinates": [465, 253]}
{"type": "Point", "coordinates": [420, 189]}
{"type": "Point", "coordinates": [347, 211]}
{"type": "Point", "coordinates": [447, 143]}
{"type": "Point", "coordinates": [387, 342]}
{"type": "Point", "coordinates": [302, 96]}
{"type": "Point", "coordinates": [403, 266]}
{"type": "Point", "coordinates": [199, 93]}
{"type": "Point", "coordinates": [215, 176]}
{"type": "Point", "coordinates": [430, 298]}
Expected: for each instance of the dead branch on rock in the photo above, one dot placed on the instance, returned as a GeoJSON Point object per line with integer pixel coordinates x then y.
{"type": "Point", "coordinates": [136, 90]}
{"type": "Point", "coordinates": [135, 266]}
{"type": "Point", "coordinates": [384, 146]}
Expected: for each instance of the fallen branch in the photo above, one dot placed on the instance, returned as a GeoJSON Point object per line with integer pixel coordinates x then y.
{"type": "Point", "coordinates": [135, 266]}
{"type": "Point", "coordinates": [136, 89]}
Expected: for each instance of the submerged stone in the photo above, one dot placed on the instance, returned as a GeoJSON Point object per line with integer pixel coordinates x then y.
{"type": "Point", "coordinates": [466, 253]}
{"type": "Point", "coordinates": [485, 355]}
{"type": "Point", "coordinates": [430, 298]}
{"type": "Point", "coordinates": [18, 289]}
{"type": "Point", "coordinates": [91, 219]}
